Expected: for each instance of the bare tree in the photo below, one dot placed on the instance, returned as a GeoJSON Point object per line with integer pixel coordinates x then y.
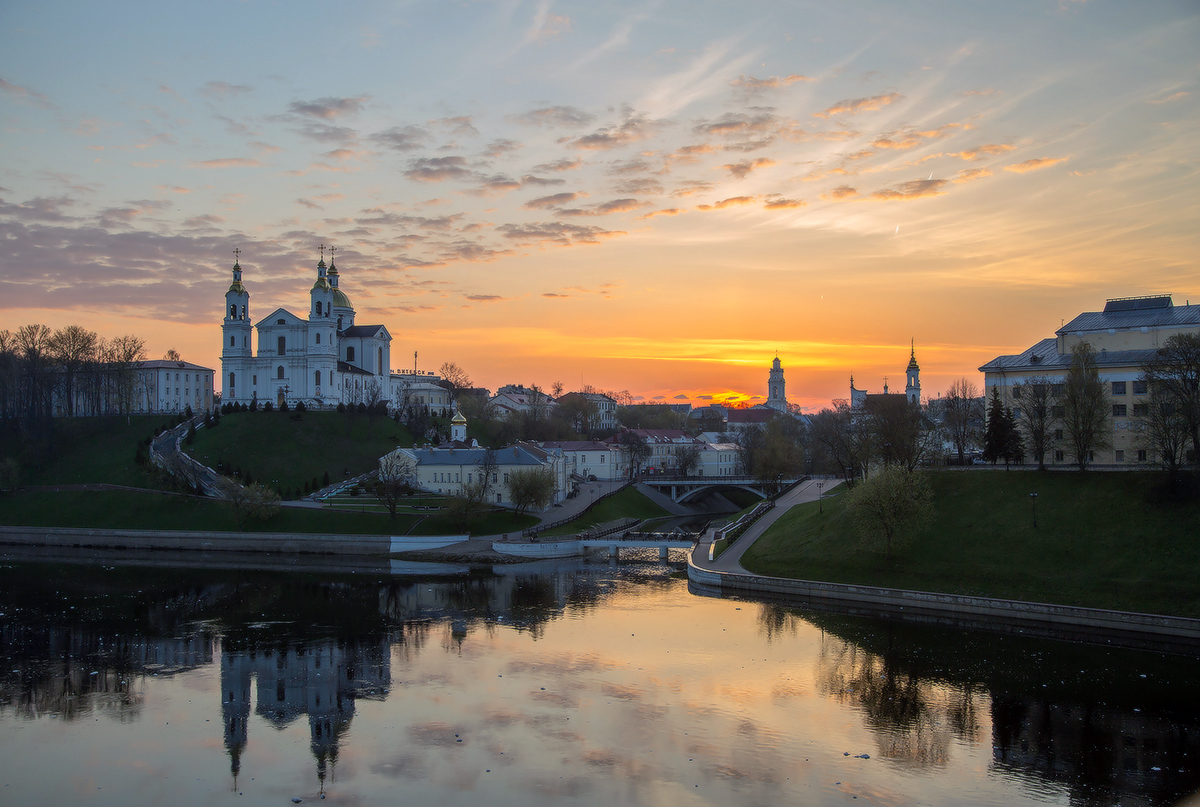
{"type": "Point", "coordinates": [962, 416]}
{"type": "Point", "coordinates": [396, 478]}
{"type": "Point", "coordinates": [455, 379]}
{"type": "Point", "coordinates": [71, 349]}
{"type": "Point", "coordinates": [844, 437]}
{"type": "Point", "coordinates": [901, 433]}
{"type": "Point", "coordinates": [1164, 431]}
{"type": "Point", "coordinates": [687, 459]}
{"type": "Point", "coordinates": [1086, 406]}
{"type": "Point", "coordinates": [1175, 372]}
{"type": "Point", "coordinates": [635, 449]}
{"type": "Point", "coordinates": [1038, 399]}
{"type": "Point", "coordinates": [172, 355]}
{"type": "Point", "coordinates": [125, 356]}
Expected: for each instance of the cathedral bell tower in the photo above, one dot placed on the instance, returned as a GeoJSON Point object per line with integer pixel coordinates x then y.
{"type": "Point", "coordinates": [912, 389]}
{"type": "Point", "coordinates": [236, 327]}
{"type": "Point", "coordinates": [235, 332]}
{"type": "Point", "coordinates": [776, 391]}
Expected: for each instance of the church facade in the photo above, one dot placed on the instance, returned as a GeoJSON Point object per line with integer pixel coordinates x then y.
{"type": "Point", "coordinates": [324, 358]}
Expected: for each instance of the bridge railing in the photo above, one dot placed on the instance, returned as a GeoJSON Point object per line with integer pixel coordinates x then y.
{"type": "Point", "coordinates": [624, 525]}
{"type": "Point", "coordinates": [535, 529]}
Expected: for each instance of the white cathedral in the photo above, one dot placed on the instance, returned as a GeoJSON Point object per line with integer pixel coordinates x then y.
{"type": "Point", "coordinates": [323, 360]}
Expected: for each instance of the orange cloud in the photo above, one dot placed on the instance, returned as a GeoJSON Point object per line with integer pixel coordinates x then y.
{"type": "Point", "coordinates": [841, 192]}
{"type": "Point", "coordinates": [1177, 96]}
{"type": "Point", "coordinates": [742, 169]}
{"type": "Point", "coordinates": [914, 189]}
{"type": "Point", "coordinates": [912, 138]}
{"type": "Point", "coordinates": [852, 106]}
{"type": "Point", "coordinates": [968, 174]}
{"type": "Point", "coordinates": [783, 204]}
{"type": "Point", "coordinates": [730, 202]}
{"type": "Point", "coordinates": [1034, 165]}
{"type": "Point", "coordinates": [670, 211]}
{"type": "Point", "coordinates": [769, 83]}
{"type": "Point", "coordinates": [988, 150]}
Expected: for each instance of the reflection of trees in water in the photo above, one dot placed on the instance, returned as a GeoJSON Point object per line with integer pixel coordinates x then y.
{"type": "Point", "coordinates": [70, 672]}
{"type": "Point", "coordinates": [914, 720]}
{"type": "Point", "coordinates": [776, 622]}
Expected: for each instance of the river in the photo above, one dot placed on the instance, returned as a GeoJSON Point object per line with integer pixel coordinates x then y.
{"type": "Point", "coordinates": [549, 684]}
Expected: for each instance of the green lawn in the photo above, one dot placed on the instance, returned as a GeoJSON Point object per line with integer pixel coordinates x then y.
{"type": "Point", "coordinates": [629, 503]}
{"type": "Point", "coordinates": [1100, 542]}
{"type": "Point", "coordinates": [284, 452]}
{"type": "Point", "coordinates": [90, 450]}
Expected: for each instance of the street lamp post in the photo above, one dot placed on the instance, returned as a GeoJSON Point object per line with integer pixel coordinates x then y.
{"type": "Point", "coordinates": [1033, 500]}
{"type": "Point", "coordinates": [820, 500]}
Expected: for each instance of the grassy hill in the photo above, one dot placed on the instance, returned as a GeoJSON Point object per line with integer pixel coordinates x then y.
{"type": "Point", "coordinates": [1103, 540]}
{"type": "Point", "coordinates": [286, 450]}
{"type": "Point", "coordinates": [87, 450]}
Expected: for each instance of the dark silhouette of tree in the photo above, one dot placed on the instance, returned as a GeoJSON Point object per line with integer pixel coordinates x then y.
{"type": "Point", "coordinates": [1173, 375]}
{"type": "Point", "coordinates": [1038, 400]}
{"type": "Point", "coordinates": [1086, 407]}
{"type": "Point", "coordinates": [962, 416]}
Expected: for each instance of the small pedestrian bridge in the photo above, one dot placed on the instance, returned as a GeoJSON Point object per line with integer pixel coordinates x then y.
{"type": "Point", "coordinates": [609, 540]}
{"type": "Point", "coordinates": [685, 488]}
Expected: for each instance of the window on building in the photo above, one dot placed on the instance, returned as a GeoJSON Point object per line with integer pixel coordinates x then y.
{"type": "Point", "coordinates": [233, 312]}
{"type": "Point", "coordinates": [506, 478]}
{"type": "Point", "coordinates": [281, 322]}
{"type": "Point", "coordinates": [1139, 387]}
{"type": "Point", "coordinates": [1058, 456]}
{"type": "Point", "coordinates": [1140, 410]}
{"type": "Point", "coordinates": [1017, 412]}
{"type": "Point", "coordinates": [1056, 390]}
{"type": "Point", "coordinates": [317, 378]}
{"type": "Point", "coordinates": [279, 371]}
{"type": "Point", "coordinates": [1119, 455]}
{"type": "Point", "coordinates": [254, 380]}
{"type": "Point", "coordinates": [1118, 410]}
{"type": "Point", "coordinates": [232, 341]}
{"type": "Point", "coordinates": [1058, 434]}
{"type": "Point", "coordinates": [231, 380]}
{"type": "Point", "coordinates": [282, 345]}
{"type": "Point", "coordinates": [318, 337]}
{"type": "Point", "coordinates": [379, 367]}
{"type": "Point", "coordinates": [1057, 411]}
{"type": "Point", "coordinates": [1017, 392]}
{"type": "Point", "coordinates": [349, 354]}
{"type": "Point", "coordinates": [494, 479]}
{"type": "Point", "coordinates": [1118, 388]}
{"type": "Point", "coordinates": [497, 498]}
{"type": "Point", "coordinates": [1091, 456]}
{"type": "Point", "coordinates": [1141, 455]}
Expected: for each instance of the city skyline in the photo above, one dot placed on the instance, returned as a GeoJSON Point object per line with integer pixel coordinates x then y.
{"type": "Point", "coordinates": [653, 197]}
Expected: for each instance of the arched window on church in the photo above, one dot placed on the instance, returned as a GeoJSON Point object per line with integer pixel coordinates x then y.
{"type": "Point", "coordinates": [279, 372]}
{"type": "Point", "coordinates": [379, 367]}
{"type": "Point", "coordinates": [231, 340]}
{"type": "Point", "coordinates": [233, 312]}
{"type": "Point", "coordinates": [282, 346]}
{"type": "Point", "coordinates": [231, 377]}
{"type": "Point", "coordinates": [318, 378]}
{"type": "Point", "coordinates": [349, 354]}
{"type": "Point", "coordinates": [318, 337]}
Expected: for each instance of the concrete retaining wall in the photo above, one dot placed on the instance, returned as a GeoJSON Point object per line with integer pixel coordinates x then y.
{"type": "Point", "coordinates": [902, 602]}
{"type": "Point", "coordinates": [541, 549]}
{"type": "Point", "coordinates": [270, 542]}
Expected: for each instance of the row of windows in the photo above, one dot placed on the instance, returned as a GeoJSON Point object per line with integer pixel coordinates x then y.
{"type": "Point", "coordinates": [1118, 388]}
{"type": "Point", "coordinates": [1118, 455]}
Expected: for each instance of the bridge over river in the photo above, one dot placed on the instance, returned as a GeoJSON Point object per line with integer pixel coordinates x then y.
{"type": "Point", "coordinates": [685, 488]}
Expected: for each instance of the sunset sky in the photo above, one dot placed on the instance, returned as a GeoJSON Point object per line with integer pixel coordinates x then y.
{"type": "Point", "coordinates": [652, 196]}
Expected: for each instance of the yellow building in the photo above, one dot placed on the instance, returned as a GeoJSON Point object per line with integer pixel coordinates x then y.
{"type": "Point", "coordinates": [1125, 335]}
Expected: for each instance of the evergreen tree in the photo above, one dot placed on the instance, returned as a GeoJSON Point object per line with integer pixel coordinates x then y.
{"type": "Point", "coordinates": [1014, 446]}
{"type": "Point", "coordinates": [995, 439]}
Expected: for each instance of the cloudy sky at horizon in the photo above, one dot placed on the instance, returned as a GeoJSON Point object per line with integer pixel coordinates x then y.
{"type": "Point", "coordinates": [647, 196]}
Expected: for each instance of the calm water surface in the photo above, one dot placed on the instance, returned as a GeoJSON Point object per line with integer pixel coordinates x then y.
{"type": "Point", "coordinates": [575, 684]}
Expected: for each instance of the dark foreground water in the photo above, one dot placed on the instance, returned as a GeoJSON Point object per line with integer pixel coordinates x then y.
{"type": "Point", "coordinates": [572, 684]}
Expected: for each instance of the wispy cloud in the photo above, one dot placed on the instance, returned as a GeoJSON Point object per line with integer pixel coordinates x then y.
{"type": "Point", "coordinates": [742, 170]}
{"type": "Point", "coordinates": [914, 189]}
{"type": "Point", "coordinates": [555, 116]}
{"type": "Point", "coordinates": [853, 106]}
{"type": "Point", "coordinates": [1035, 165]}
{"type": "Point", "coordinates": [226, 162]}
{"type": "Point", "coordinates": [25, 96]}
{"type": "Point", "coordinates": [329, 107]}
{"type": "Point", "coordinates": [221, 89]}
{"type": "Point", "coordinates": [732, 201]}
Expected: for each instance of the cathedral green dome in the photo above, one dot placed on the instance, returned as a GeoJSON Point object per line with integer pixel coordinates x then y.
{"type": "Point", "coordinates": [340, 300]}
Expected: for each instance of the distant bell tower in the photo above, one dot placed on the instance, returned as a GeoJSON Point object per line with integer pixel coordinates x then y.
{"type": "Point", "coordinates": [235, 333]}
{"type": "Point", "coordinates": [912, 389]}
{"type": "Point", "coordinates": [776, 391]}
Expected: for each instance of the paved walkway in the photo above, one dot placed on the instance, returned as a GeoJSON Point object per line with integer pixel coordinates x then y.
{"type": "Point", "coordinates": [730, 559]}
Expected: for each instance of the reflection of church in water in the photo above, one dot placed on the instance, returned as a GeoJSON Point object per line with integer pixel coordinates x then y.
{"type": "Point", "coordinates": [320, 679]}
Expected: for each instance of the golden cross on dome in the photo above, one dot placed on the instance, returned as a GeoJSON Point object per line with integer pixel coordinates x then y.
{"type": "Point", "coordinates": [331, 251]}
{"type": "Point", "coordinates": [322, 248]}
{"type": "Point", "coordinates": [236, 252]}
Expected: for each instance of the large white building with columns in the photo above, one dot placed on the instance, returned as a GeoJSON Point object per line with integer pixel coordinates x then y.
{"type": "Point", "coordinates": [323, 359]}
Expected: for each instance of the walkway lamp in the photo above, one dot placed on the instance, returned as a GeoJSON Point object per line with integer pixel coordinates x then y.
{"type": "Point", "coordinates": [820, 500]}
{"type": "Point", "coordinates": [1033, 500]}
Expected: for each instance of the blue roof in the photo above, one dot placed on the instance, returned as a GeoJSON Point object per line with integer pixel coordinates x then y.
{"type": "Point", "coordinates": [1143, 312]}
